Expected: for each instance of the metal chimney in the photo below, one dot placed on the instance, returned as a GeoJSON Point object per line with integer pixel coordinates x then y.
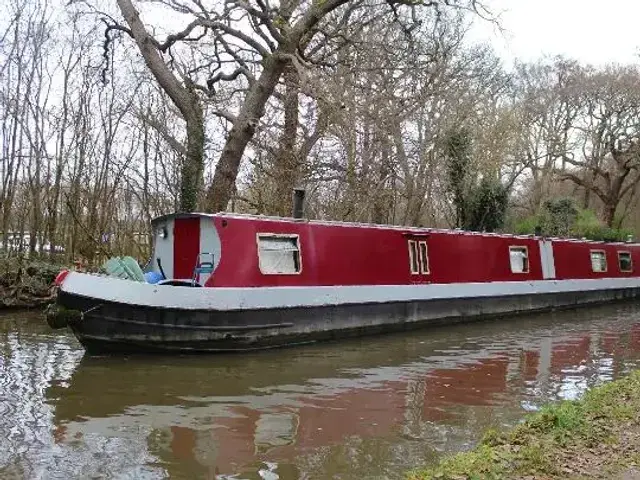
{"type": "Point", "coordinates": [298, 202]}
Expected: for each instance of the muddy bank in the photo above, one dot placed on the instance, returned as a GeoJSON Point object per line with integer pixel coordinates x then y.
{"type": "Point", "coordinates": [26, 283]}
{"type": "Point", "coordinates": [595, 437]}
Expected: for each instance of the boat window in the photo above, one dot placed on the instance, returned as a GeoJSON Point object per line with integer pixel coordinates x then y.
{"type": "Point", "coordinates": [424, 257]}
{"type": "Point", "coordinates": [278, 254]}
{"type": "Point", "coordinates": [624, 262]}
{"type": "Point", "coordinates": [418, 257]}
{"type": "Point", "coordinates": [519, 259]}
{"type": "Point", "coordinates": [598, 261]}
{"type": "Point", "coordinates": [413, 257]}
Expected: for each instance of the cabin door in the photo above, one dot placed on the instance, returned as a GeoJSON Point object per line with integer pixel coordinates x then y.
{"type": "Point", "coordinates": [546, 257]}
{"type": "Point", "coordinates": [186, 246]}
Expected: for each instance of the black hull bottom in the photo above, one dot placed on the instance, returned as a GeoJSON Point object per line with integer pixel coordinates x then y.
{"type": "Point", "coordinates": [115, 327]}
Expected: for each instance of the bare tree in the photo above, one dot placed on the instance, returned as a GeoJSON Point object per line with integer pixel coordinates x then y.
{"type": "Point", "coordinates": [548, 106]}
{"type": "Point", "coordinates": [610, 133]}
{"type": "Point", "coordinates": [294, 33]}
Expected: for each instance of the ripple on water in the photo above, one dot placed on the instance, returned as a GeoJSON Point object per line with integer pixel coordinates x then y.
{"type": "Point", "coordinates": [364, 408]}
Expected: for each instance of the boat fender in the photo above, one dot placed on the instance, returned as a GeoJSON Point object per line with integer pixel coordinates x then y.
{"type": "Point", "coordinates": [153, 277]}
{"type": "Point", "coordinates": [58, 316]}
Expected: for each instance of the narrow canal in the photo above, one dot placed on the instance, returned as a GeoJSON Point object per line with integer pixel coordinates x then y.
{"type": "Point", "coordinates": [364, 409]}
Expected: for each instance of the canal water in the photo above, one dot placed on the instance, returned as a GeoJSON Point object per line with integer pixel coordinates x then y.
{"type": "Point", "coordinates": [360, 409]}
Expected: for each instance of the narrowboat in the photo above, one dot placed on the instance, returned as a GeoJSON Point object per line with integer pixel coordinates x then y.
{"type": "Point", "coordinates": [233, 282]}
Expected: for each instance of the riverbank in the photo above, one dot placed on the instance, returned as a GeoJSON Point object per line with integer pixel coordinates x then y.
{"type": "Point", "coordinates": [595, 437]}
{"type": "Point", "coordinates": [26, 283]}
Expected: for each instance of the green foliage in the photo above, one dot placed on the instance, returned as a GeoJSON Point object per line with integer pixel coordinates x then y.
{"type": "Point", "coordinates": [493, 438]}
{"type": "Point", "coordinates": [587, 225]}
{"type": "Point", "coordinates": [458, 156]}
{"type": "Point", "coordinates": [558, 216]}
{"type": "Point", "coordinates": [586, 221]}
{"type": "Point", "coordinates": [527, 225]}
{"type": "Point", "coordinates": [486, 206]}
{"type": "Point", "coordinates": [480, 463]}
{"type": "Point", "coordinates": [479, 206]}
{"type": "Point", "coordinates": [562, 218]}
{"type": "Point", "coordinates": [537, 446]}
{"type": "Point", "coordinates": [561, 421]}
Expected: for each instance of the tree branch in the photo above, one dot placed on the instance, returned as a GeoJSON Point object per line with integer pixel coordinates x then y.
{"type": "Point", "coordinates": [148, 47]}
{"type": "Point", "coordinates": [160, 127]}
{"type": "Point", "coordinates": [579, 181]}
{"type": "Point", "coordinates": [176, 37]}
{"type": "Point", "coordinates": [227, 77]}
{"type": "Point", "coordinates": [107, 41]}
{"type": "Point", "coordinates": [214, 25]}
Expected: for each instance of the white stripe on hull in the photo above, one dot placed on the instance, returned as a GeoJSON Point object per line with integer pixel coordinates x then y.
{"type": "Point", "coordinates": [251, 298]}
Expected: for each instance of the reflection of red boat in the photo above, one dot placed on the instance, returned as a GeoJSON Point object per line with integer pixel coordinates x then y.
{"type": "Point", "coordinates": [277, 281]}
{"type": "Point", "coordinates": [288, 423]}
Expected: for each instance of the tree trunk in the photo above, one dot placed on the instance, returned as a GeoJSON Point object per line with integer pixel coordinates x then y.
{"type": "Point", "coordinates": [192, 164]}
{"type": "Point", "coordinates": [610, 208]}
{"type": "Point", "coordinates": [382, 198]}
{"type": "Point", "coordinates": [184, 98]}
{"type": "Point", "coordinates": [54, 202]}
{"type": "Point", "coordinates": [615, 193]}
{"type": "Point", "coordinates": [243, 129]}
{"type": "Point", "coordinates": [287, 162]}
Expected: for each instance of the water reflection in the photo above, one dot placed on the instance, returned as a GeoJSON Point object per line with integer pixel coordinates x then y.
{"type": "Point", "coordinates": [358, 409]}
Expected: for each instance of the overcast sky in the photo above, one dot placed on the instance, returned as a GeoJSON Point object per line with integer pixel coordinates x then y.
{"type": "Point", "coordinates": [590, 31]}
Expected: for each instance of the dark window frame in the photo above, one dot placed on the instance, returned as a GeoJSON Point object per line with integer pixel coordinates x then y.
{"type": "Point", "coordinates": [625, 252]}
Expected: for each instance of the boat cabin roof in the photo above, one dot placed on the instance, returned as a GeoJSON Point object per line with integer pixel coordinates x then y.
{"type": "Point", "coordinates": [399, 228]}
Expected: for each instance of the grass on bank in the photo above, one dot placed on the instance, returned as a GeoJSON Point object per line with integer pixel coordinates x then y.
{"type": "Point", "coordinates": [595, 437]}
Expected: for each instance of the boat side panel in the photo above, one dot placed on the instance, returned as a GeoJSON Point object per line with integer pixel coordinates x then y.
{"type": "Point", "coordinates": [335, 255]}
{"type": "Point", "coordinates": [573, 259]}
{"type": "Point", "coordinates": [126, 327]}
{"type": "Point", "coordinates": [369, 255]}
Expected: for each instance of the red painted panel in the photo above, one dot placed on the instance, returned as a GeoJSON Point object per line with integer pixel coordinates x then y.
{"type": "Point", "coordinates": [186, 246]}
{"type": "Point", "coordinates": [635, 260]}
{"type": "Point", "coordinates": [367, 255]}
{"type": "Point", "coordinates": [339, 255]}
{"type": "Point", "coordinates": [573, 259]}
